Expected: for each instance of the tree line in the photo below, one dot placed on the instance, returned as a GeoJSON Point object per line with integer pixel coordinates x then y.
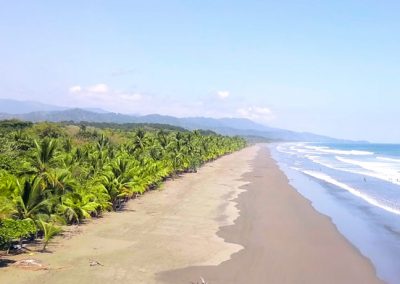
{"type": "Point", "coordinates": [61, 174]}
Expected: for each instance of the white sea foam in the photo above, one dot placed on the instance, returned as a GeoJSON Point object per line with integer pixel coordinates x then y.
{"type": "Point", "coordinates": [318, 160]}
{"type": "Point", "coordinates": [389, 159]}
{"type": "Point", "coordinates": [313, 158]}
{"type": "Point", "coordinates": [317, 148]}
{"type": "Point", "coordinates": [284, 150]}
{"type": "Point", "coordinates": [321, 176]}
{"type": "Point", "coordinates": [292, 148]}
{"type": "Point", "coordinates": [296, 168]}
{"type": "Point", "coordinates": [280, 148]}
{"type": "Point", "coordinates": [386, 171]}
{"type": "Point", "coordinates": [327, 150]}
{"type": "Point", "coordinates": [298, 149]}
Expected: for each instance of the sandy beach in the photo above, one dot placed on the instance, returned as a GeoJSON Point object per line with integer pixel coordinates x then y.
{"type": "Point", "coordinates": [235, 221]}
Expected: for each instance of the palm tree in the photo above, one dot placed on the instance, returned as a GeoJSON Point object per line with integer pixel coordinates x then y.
{"type": "Point", "coordinates": [59, 181]}
{"type": "Point", "coordinates": [44, 154]}
{"type": "Point", "coordinates": [77, 206]}
{"type": "Point", "coordinates": [102, 143]}
{"type": "Point", "coordinates": [30, 199]}
{"type": "Point", "coordinates": [139, 141]}
{"type": "Point", "coordinates": [118, 188]}
{"type": "Point", "coordinates": [49, 231]}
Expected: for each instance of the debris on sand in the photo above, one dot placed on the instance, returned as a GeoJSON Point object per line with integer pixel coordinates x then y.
{"type": "Point", "coordinates": [202, 281]}
{"type": "Point", "coordinates": [30, 264]}
{"type": "Point", "coordinates": [94, 263]}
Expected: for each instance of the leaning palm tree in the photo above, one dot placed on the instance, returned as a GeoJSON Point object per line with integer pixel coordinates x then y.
{"type": "Point", "coordinates": [49, 231]}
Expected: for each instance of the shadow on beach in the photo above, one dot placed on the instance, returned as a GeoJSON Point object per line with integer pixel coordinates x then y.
{"type": "Point", "coordinates": [4, 262]}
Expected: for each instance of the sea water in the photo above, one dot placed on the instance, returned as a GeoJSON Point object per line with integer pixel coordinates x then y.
{"type": "Point", "coordinates": [358, 187]}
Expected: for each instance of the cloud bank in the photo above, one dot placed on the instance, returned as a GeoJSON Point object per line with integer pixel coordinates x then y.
{"type": "Point", "coordinates": [256, 113]}
{"type": "Point", "coordinates": [221, 104]}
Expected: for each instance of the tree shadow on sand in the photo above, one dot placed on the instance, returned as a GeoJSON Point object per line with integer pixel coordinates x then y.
{"type": "Point", "coordinates": [6, 262]}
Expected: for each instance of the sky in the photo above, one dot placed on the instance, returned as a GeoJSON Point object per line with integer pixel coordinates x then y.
{"type": "Point", "coordinates": [328, 67]}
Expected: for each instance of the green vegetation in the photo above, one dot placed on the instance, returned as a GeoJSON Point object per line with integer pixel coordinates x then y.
{"type": "Point", "coordinates": [61, 174]}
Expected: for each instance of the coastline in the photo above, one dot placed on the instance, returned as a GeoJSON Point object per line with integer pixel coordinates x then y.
{"type": "Point", "coordinates": [235, 221]}
{"type": "Point", "coordinates": [296, 244]}
{"type": "Point", "coordinates": [371, 229]}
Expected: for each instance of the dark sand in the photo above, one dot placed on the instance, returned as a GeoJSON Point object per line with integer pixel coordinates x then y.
{"type": "Point", "coordinates": [285, 240]}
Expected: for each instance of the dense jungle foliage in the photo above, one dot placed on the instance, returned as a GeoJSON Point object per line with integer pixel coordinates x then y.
{"type": "Point", "coordinates": [59, 174]}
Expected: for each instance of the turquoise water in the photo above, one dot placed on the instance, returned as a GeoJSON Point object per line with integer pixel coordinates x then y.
{"type": "Point", "coordinates": [358, 187]}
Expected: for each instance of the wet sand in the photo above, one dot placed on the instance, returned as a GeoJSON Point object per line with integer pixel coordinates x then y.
{"type": "Point", "coordinates": [285, 240]}
{"type": "Point", "coordinates": [192, 228]}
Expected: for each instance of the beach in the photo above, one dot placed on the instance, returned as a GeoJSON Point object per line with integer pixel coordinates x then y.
{"type": "Point", "coordinates": [237, 220]}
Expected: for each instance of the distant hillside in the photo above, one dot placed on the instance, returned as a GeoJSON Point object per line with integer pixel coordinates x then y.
{"type": "Point", "coordinates": [226, 126]}
{"type": "Point", "coordinates": [11, 106]}
{"type": "Point", "coordinates": [19, 107]}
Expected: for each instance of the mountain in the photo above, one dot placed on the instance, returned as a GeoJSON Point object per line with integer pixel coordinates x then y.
{"type": "Point", "coordinates": [11, 106]}
{"type": "Point", "coordinates": [19, 107]}
{"type": "Point", "coordinates": [226, 126]}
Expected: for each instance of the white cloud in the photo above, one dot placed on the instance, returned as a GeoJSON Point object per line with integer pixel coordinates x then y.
{"type": "Point", "coordinates": [102, 96]}
{"type": "Point", "coordinates": [262, 110]}
{"type": "Point", "coordinates": [75, 89]}
{"type": "Point", "coordinates": [223, 94]}
{"type": "Point", "coordinates": [131, 97]}
{"type": "Point", "coordinates": [261, 114]}
{"type": "Point", "coordinates": [99, 88]}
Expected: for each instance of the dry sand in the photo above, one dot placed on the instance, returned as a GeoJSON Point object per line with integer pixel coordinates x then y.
{"type": "Point", "coordinates": [192, 229]}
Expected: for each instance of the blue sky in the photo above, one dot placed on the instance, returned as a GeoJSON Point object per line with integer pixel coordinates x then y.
{"type": "Point", "coordinates": [329, 67]}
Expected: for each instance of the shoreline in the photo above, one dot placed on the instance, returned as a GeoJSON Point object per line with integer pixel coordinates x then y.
{"type": "Point", "coordinates": [371, 230]}
{"type": "Point", "coordinates": [213, 224]}
{"type": "Point", "coordinates": [262, 262]}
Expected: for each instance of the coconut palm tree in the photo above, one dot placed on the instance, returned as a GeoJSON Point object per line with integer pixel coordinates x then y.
{"type": "Point", "coordinates": [30, 198]}
{"type": "Point", "coordinates": [44, 154]}
{"type": "Point", "coordinates": [49, 231]}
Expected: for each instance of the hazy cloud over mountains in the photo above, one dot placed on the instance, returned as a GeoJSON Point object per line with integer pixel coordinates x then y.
{"type": "Point", "coordinates": [221, 104]}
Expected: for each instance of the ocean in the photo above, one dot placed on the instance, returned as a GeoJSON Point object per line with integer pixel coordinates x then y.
{"type": "Point", "coordinates": [358, 187]}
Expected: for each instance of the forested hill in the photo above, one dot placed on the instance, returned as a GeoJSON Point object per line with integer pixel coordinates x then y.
{"type": "Point", "coordinates": [225, 126]}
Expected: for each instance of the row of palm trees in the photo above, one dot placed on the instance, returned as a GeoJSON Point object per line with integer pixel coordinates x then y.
{"type": "Point", "coordinates": [66, 180]}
